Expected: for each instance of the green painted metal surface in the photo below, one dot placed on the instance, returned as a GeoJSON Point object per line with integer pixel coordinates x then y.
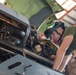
{"type": "Point", "coordinates": [31, 7]}
{"type": "Point", "coordinates": [26, 7]}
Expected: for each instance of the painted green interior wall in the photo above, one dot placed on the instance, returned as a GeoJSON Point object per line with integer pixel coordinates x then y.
{"type": "Point", "coordinates": [31, 7]}
{"type": "Point", "coordinates": [26, 7]}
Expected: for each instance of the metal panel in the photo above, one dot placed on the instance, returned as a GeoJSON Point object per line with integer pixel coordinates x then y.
{"type": "Point", "coordinates": [13, 14]}
{"type": "Point", "coordinates": [25, 66]}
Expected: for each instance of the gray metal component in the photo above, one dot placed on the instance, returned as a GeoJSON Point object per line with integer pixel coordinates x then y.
{"type": "Point", "coordinates": [26, 51]}
{"type": "Point", "coordinates": [4, 72]}
{"type": "Point", "coordinates": [19, 65]}
{"type": "Point", "coordinates": [10, 13]}
{"type": "Point", "coordinates": [40, 17]}
{"type": "Point", "coordinates": [13, 14]}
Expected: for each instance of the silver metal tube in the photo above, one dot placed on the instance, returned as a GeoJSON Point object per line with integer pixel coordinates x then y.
{"type": "Point", "coordinates": [1, 48]}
